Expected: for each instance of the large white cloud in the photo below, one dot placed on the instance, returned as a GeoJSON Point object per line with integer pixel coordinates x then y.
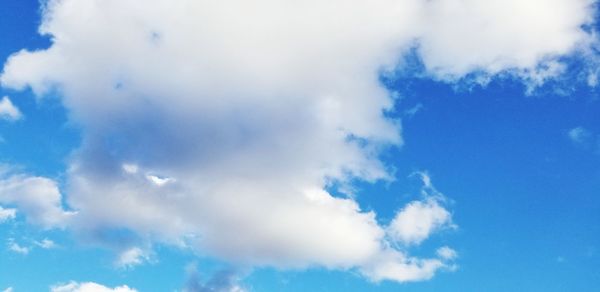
{"type": "Point", "coordinates": [463, 36]}
{"type": "Point", "coordinates": [219, 125]}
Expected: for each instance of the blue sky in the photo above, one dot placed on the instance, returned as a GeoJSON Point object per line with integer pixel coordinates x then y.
{"type": "Point", "coordinates": [168, 149]}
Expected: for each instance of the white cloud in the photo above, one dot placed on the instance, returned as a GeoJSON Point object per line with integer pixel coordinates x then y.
{"type": "Point", "coordinates": [15, 247]}
{"type": "Point", "coordinates": [394, 265]}
{"type": "Point", "coordinates": [446, 253]}
{"type": "Point", "coordinates": [418, 220]}
{"type": "Point", "coordinates": [7, 214]}
{"type": "Point", "coordinates": [89, 287]}
{"type": "Point", "coordinates": [159, 181]}
{"type": "Point", "coordinates": [255, 109]}
{"type": "Point", "coordinates": [524, 36]}
{"type": "Point", "coordinates": [132, 257]}
{"type": "Point", "coordinates": [9, 289]}
{"type": "Point", "coordinates": [46, 244]}
{"type": "Point", "coordinates": [37, 197]}
{"type": "Point", "coordinates": [9, 111]}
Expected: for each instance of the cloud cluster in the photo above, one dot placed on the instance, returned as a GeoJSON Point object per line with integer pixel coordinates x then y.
{"type": "Point", "coordinates": [223, 125]}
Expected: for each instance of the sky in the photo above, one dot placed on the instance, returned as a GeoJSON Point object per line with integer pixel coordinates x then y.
{"type": "Point", "coordinates": [269, 145]}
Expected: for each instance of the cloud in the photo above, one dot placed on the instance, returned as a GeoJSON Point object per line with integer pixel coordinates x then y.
{"type": "Point", "coordinates": [132, 257]}
{"type": "Point", "coordinates": [37, 197]}
{"type": "Point", "coordinates": [7, 214]}
{"type": "Point", "coordinates": [8, 111]}
{"type": "Point", "coordinates": [88, 287]}
{"type": "Point", "coordinates": [221, 281]}
{"type": "Point", "coordinates": [418, 220]}
{"type": "Point", "coordinates": [584, 139]}
{"type": "Point", "coordinates": [447, 253]}
{"type": "Point", "coordinates": [9, 289]}
{"type": "Point", "coordinates": [579, 135]}
{"type": "Point", "coordinates": [46, 244]}
{"type": "Point", "coordinates": [222, 126]}
{"type": "Point", "coordinates": [15, 247]}
{"type": "Point", "coordinates": [527, 37]}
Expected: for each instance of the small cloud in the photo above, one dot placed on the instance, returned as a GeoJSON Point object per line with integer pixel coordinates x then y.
{"type": "Point", "coordinates": [9, 289]}
{"type": "Point", "coordinates": [560, 259]}
{"type": "Point", "coordinates": [580, 135]}
{"type": "Point", "coordinates": [159, 181]}
{"type": "Point", "coordinates": [8, 111]}
{"type": "Point", "coordinates": [446, 253]}
{"type": "Point", "coordinates": [46, 244]}
{"type": "Point", "coordinates": [130, 168]}
{"type": "Point", "coordinates": [15, 247]}
{"type": "Point", "coordinates": [132, 257]}
{"type": "Point", "coordinates": [7, 214]}
{"type": "Point", "coordinates": [409, 113]}
{"type": "Point", "coordinates": [418, 220]}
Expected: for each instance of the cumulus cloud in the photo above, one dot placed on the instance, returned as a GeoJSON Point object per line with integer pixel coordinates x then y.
{"type": "Point", "coordinates": [88, 287]}
{"type": "Point", "coordinates": [221, 125]}
{"type": "Point", "coordinates": [8, 111]}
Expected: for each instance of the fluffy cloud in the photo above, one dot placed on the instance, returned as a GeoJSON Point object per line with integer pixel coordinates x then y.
{"type": "Point", "coordinates": [417, 220]}
{"type": "Point", "coordinates": [89, 287]}
{"type": "Point", "coordinates": [524, 36]}
{"type": "Point", "coordinates": [220, 125]}
{"type": "Point", "coordinates": [9, 111]}
{"type": "Point", "coordinates": [37, 197]}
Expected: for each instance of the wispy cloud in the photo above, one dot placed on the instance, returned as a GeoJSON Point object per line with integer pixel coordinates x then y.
{"type": "Point", "coordinates": [46, 244]}
{"type": "Point", "coordinates": [15, 247]}
{"type": "Point", "coordinates": [580, 135]}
